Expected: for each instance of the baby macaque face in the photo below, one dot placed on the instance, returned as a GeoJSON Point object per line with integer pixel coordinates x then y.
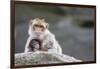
{"type": "Point", "coordinates": [39, 25]}
{"type": "Point", "coordinates": [34, 45]}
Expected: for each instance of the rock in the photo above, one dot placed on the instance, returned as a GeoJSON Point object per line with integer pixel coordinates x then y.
{"type": "Point", "coordinates": [34, 58]}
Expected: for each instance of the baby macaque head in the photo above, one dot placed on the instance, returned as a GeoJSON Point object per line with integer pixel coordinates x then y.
{"type": "Point", "coordinates": [34, 45]}
{"type": "Point", "coordinates": [39, 25]}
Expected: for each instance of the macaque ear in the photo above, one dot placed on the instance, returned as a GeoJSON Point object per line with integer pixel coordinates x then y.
{"type": "Point", "coordinates": [36, 19]}
{"type": "Point", "coordinates": [30, 22]}
{"type": "Point", "coordinates": [43, 20]}
{"type": "Point", "coordinates": [47, 25]}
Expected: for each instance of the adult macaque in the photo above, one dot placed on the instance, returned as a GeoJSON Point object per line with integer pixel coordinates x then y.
{"type": "Point", "coordinates": [40, 38]}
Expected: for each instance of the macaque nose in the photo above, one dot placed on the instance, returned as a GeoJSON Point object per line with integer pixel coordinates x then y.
{"type": "Point", "coordinates": [39, 29]}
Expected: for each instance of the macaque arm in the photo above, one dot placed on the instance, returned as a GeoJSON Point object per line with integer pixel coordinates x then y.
{"type": "Point", "coordinates": [52, 44]}
{"type": "Point", "coordinates": [55, 48]}
{"type": "Point", "coordinates": [27, 49]}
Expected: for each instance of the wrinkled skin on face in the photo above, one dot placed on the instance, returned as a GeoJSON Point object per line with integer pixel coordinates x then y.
{"type": "Point", "coordinates": [39, 26]}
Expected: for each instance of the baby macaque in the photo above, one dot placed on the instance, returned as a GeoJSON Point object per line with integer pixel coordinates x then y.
{"type": "Point", "coordinates": [40, 38]}
{"type": "Point", "coordinates": [34, 45]}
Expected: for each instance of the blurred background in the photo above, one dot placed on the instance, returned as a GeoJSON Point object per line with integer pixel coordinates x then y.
{"type": "Point", "coordinates": [72, 26]}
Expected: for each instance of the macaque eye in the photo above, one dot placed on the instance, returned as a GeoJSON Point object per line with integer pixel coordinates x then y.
{"type": "Point", "coordinates": [38, 26]}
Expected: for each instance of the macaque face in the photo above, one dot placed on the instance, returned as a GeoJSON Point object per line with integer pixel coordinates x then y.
{"type": "Point", "coordinates": [38, 28]}
{"type": "Point", "coordinates": [39, 25]}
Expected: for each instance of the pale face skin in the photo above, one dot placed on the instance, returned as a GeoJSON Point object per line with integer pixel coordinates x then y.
{"type": "Point", "coordinates": [39, 26]}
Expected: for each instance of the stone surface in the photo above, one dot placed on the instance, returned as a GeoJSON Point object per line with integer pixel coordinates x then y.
{"type": "Point", "coordinates": [34, 58]}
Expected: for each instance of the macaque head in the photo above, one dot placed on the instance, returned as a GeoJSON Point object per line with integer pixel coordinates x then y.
{"type": "Point", "coordinates": [39, 25]}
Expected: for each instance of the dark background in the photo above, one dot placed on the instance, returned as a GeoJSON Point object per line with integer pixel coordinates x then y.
{"type": "Point", "coordinates": [72, 26]}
